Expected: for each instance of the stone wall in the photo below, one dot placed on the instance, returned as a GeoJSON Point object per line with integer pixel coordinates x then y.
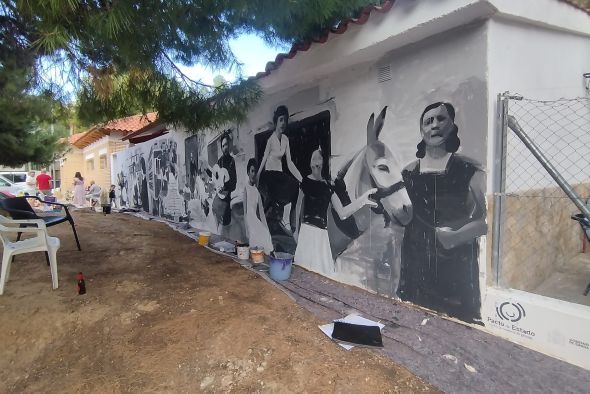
{"type": "Point", "coordinates": [538, 235]}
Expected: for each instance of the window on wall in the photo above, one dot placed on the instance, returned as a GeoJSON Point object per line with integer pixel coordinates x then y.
{"type": "Point", "coordinates": [90, 165]}
{"type": "Point", "coordinates": [103, 161]}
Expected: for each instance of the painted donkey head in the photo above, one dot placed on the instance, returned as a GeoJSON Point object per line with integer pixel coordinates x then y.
{"type": "Point", "coordinates": [376, 166]}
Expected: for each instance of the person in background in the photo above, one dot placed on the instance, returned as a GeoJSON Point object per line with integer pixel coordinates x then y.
{"type": "Point", "coordinates": [44, 183]}
{"type": "Point", "coordinates": [31, 184]}
{"type": "Point", "coordinates": [112, 196]}
{"type": "Point", "coordinates": [79, 192]}
{"type": "Point", "coordinates": [93, 193]}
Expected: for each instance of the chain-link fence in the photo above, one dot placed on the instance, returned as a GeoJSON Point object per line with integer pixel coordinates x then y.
{"type": "Point", "coordinates": [536, 237]}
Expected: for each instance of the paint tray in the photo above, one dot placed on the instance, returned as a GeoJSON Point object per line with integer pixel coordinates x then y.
{"type": "Point", "coordinates": [356, 334]}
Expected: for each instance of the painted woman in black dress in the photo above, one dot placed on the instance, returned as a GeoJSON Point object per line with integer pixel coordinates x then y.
{"type": "Point", "coordinates": [440, 249]}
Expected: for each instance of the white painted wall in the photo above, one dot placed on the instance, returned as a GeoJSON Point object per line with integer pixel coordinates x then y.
{"type": "Point", "coordinates": [450, 67]}
{"type": "Point", "coordinates": [409, 21]}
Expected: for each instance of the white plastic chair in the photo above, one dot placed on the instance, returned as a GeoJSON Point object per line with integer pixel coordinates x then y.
{"type": "Point", "coordinates": [94, 197]}
{"type": "Point", "coordinates": [41, 243]}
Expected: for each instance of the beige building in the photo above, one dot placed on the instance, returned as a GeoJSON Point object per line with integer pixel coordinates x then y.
{"type": "Point", "coordinates": [90, 151]}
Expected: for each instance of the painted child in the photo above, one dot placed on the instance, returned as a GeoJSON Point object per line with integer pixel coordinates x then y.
{"type": "Point", "coordinates": [256, 226]}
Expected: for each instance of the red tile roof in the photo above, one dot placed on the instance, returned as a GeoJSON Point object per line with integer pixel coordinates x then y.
{"type": "Point", "coordinates": [129, 125]}
{"type": "Point", "coordinates": [132, 123]}
{"type": "Point", "coordinates": [343, 26]}
{"type": "Point", "coordinates": [72, 139]}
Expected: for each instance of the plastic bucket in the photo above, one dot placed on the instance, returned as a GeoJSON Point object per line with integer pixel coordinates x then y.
{"type": "Point", "coordinates": [280, 265]}
{"type": "Point", "coordinates": [204, 238]}
{"type": "Point", "coordinates": [257, 256]}
{"type": "Point", "coordinates": [243, 251]}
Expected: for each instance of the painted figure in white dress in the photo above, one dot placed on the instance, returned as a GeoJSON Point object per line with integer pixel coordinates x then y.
{"type": "Point", "coordinates": [256, 226]}
{"type": "Point", "coordinates": [315, 196]}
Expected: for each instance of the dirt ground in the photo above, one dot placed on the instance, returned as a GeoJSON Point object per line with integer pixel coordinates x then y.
{"type": "Point", "coordinates": [163, 314]}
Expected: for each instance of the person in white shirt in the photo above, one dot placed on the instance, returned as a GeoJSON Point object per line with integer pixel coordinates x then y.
{"type": "Point", "coordinates": [93, 194]}
{"type": "Point", "coordinates": [31, 184]}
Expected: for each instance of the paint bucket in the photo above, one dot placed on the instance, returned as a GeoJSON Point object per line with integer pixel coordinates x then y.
{"type": "Point", "coordinates": [280, 265]}
{"type": "Point", "coordinates": [257, 255]}
{"type": "Point", "coordinates": [204, 238]}
{"type": "Point", "coordinates": [243, 251]}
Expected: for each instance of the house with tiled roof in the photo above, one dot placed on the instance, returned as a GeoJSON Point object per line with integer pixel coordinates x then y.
{"type": "Point", "coordinates": [409, 98]}
{"type": "Point", "coordinates": [90, 151]}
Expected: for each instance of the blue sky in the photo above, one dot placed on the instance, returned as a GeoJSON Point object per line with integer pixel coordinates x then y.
{"type": "Point", "coordinates": [249, 49]}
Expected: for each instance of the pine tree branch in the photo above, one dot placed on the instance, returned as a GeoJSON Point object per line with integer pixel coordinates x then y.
{"type": "Point", "coordinates": [183, 75]}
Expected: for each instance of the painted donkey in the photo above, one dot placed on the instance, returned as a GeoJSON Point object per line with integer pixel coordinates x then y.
{"type": "Point", "coordinates": [368, 245]}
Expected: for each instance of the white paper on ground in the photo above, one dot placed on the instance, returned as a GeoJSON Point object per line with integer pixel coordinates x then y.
{"type": "Point", "coordinates": [328, 329]}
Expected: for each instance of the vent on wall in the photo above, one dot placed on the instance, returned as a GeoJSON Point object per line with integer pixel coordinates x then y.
{"type": "Point", "coordinates": [384, 74]}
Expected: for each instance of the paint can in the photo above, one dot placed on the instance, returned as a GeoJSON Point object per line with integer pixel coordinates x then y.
{"type": "Point", "coordinates": [243, 251]}
{"type": "Point", "coordinates": [280, 265]}
{"type": "Point", "coordinates": [204, 238]}
{"type": "Point", "coordinates": [257, 255]}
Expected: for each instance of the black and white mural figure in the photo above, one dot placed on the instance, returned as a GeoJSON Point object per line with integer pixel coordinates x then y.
{"type": "Point", "coordinates": [196, 195]}
{"type": "Point", "coordinates": [192, 146]}
{"type": "Point", "coordinates": [278, 187]}
{"type": "Point", "coordinates": [223, 175]}
{"type": "Point", "coordinates": [440, 248]}
{"type": "Point", "coordinates": [255, 220]}
{"type": "Point", "coordinates": [368, 245]}
{"type": "Point", "coordinates": [122, 189]}
{"type": "Point", "coordinates": [158, 184]}
{"type": "Point", "coordinates": [315, 196]}
{"type": "Point", "coordinates": [165, 181]}
{"type": "Point", "coordinates": [144, 190]}
{"type": "Point", "coordinates": [141, 197]}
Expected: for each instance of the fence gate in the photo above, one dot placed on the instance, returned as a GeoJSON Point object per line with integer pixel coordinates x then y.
{"type": "Point", "coordinates": [543, 178]}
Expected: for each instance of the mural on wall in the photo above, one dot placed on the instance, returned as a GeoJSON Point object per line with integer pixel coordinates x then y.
{"type": "Point", "coordinates": [284, 154]}
{"type": "Point", "coordinates": [121, 190]}
{"type": "Point", "coordinates": [440, 249]}
{"type": "Point", "coordinates": [407, 231]}
{"type": "Point", "coordinates": [369, 246]}
{"type": "Point", "coordinates": [211, 193]}
{"type": "Point", "coordinates": [136, 183]}
{"type": "Point", "coordinates": [257, 231]}
{"type": "Point", "coordinates": [165, 181]}
{"type": "Point", "coordinates": [224, 178]}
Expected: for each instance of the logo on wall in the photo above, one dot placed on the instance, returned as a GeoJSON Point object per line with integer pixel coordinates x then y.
{"type": "Point", "coordinates": [509, 317]}
{"type": "Point", "coordinates": [511, 311]}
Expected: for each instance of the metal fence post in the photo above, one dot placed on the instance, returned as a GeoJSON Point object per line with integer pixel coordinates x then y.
{"type": "Point", "coordinates": [550, 168]}
{"type": "Point", "coordinates": [499, 182]}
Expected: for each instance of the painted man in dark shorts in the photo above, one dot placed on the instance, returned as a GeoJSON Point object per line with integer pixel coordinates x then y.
{"type": "Point", "coordinates": [222, 200]}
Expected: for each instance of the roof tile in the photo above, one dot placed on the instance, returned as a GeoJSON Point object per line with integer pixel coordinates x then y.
{"type": "Point", "coordinates": [130, 124]}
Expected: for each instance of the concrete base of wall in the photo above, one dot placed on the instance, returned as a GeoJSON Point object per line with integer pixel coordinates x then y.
{"type": "Point", "coordinates": [551, 326]}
